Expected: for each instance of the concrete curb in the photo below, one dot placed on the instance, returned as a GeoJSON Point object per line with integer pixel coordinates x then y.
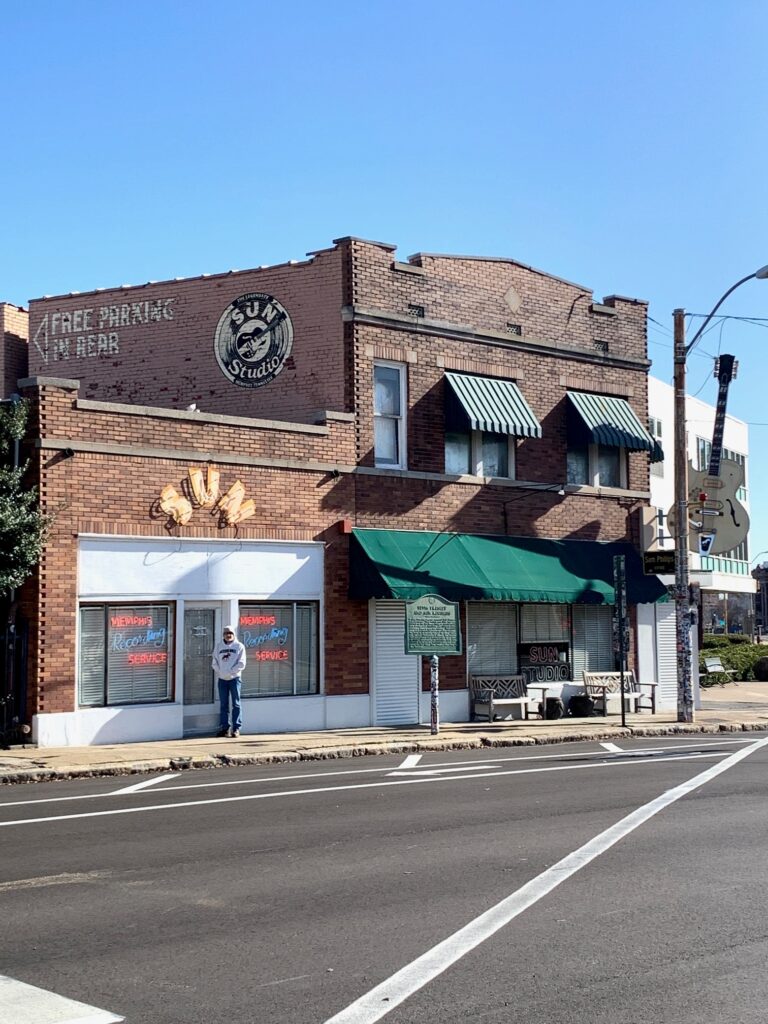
{"type": "Point", "coordinates": [209, 761]}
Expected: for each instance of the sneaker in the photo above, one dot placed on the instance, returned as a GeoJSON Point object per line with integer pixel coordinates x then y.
{"type": "Point", "coordinates": [235, 733]}
{"type": "Point", "coordinates": [223, 732]}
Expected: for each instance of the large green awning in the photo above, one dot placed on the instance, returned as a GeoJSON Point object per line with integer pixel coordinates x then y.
{"type": "Point", "coordinates": [494, 405]}
{"type": "Point", "coordinates": [612, 421]}
{"type": "Point", "coordinates": [406, 565]}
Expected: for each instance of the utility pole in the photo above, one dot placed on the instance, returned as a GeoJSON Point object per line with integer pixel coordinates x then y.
{"type": "Point", "coordinates": [682, 573]}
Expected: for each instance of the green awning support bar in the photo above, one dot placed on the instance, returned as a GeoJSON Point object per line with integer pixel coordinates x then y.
{"type": "Point", "coordinates": [496, 406]}
{"type": "Point", "coordinates": [612, 421]}
{"type": "Point", "coordinates": [405, 565]}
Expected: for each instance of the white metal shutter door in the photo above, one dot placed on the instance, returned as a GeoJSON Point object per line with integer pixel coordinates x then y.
{"type": "Point", "coordinates": [592, 639]}
{"type": "Point", "coordinates": [666, 653]}
{"type": "Point", "coordinates": [395, 673]}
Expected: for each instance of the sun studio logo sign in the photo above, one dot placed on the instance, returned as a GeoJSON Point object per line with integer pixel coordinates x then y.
{"type": "Point", "coordinates": [253, 340]}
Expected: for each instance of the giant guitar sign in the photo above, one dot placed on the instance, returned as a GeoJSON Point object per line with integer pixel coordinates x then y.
{"type": "Point", "coordinates": [717, 520]}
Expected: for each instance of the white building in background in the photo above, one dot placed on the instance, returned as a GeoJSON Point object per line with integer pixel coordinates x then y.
{"type": "Point", "coordinates": [727, 588]}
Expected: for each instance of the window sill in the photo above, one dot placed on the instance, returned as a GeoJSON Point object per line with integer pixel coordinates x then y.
{"type": "Point", "coordinates": [512, 484]}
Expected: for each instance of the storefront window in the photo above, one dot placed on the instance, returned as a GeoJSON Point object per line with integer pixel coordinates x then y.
{"type": "Point", "coordinates": [544, 622]}
{"type": "Point", "coordinates": [505, 638]}
{"type": "Point", "coordinates": [125, 654]}
{"type": "Point", "coordinates": [281, 643]}
{"type": "Point", "coordinates": [491, 638]}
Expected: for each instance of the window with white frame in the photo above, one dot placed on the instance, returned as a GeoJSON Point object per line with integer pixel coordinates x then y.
{"type": "Point", "coordinates": [125, 654]}
{"type": "Point", "coordinates": [655, 430]}
{"type": "Point", "coordinates": [741, 460]}
{"type": "Point", "coordinates": [703, 453]}
{"type": "Point", "coordinates": [281, 649]}
{"type": "Point", "coordinates": [597, 465]}
{"type": "Point", "coordinates": [389, 404]}
{"type": "Point", "coordinates": [479, 453]}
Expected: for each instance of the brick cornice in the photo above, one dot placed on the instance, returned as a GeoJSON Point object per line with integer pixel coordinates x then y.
{"type": "Point", "coordinates": [462, 332]}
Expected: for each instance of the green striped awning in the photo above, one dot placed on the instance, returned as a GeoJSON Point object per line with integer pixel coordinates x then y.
{"type": "Point", "coordinates": [494, 405]}
{"type": "Point", "coordinates": [612, 421]}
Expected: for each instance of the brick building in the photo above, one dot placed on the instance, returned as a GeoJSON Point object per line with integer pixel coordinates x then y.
{"type": "Point", "coordinates": [301, 448]}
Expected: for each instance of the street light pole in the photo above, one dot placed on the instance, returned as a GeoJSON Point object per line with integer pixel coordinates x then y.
{"type": "Point", "coordinates": [682, 572]}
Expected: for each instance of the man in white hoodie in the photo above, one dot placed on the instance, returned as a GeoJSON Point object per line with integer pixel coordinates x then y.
{"type": "Point", "coordinates": [228, 663]}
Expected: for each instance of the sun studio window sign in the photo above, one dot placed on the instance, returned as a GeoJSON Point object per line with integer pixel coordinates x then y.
{"type": "Point", "coordinates": [253, 340]}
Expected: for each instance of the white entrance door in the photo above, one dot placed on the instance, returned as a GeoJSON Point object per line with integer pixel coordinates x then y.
{"type": "Point", "coordinates": [396, 675]}
{"type": "Point", "coordinates": [202, 625]}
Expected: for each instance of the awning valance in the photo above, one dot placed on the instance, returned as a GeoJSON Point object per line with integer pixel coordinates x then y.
{"type": "Point", "coordinates": [405, 565]}
{"type": "Point", "coordinates": [612, 421]}
{"type": "Point", "coordinates": [494, 405]}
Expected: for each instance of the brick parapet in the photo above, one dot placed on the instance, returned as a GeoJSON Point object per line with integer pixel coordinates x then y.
{"type": "Point", "coordinates": [14, 332]}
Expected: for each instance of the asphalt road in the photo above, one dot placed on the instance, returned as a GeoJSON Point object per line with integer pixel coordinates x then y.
{"type": "Point", "coordinates": [287, 895]}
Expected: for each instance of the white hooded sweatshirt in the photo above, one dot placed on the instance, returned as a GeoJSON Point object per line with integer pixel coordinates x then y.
{"type": "Point", "coordinates": [228, 659]}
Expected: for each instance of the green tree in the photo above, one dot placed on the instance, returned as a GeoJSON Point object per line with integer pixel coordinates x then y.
{"type": "Point", "coordinates": [23, 526]}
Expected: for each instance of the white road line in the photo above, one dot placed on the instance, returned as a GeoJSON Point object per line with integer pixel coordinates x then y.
{"type": "Point", "coordinates": [636, 752]}
{"type": "Point", "coordinates": [145, 784]}
{"type": "Point", "coordinates": [411, 761]}
{"type": "Point", "coordinates": [26, 1004]}
{"type": "Point", "coordinates": [385, 997]}
{"type": "Point", "coordinates": [419, 772]}
{"type": "Point", "coordinates": [612, 747]}
{"type": "Point", "coordinates": [421, 781]}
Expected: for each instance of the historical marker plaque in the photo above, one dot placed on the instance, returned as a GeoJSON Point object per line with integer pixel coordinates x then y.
{"type": "Point", "coordinates": [432, 626]}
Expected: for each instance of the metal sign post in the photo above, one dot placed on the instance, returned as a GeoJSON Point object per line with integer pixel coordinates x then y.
{"type": "Point", "coordinates": [432, 628]}
{"type": "Point", "coordinates": [621, 625]}
{"type": "Point", "coordinates": [434, 695]}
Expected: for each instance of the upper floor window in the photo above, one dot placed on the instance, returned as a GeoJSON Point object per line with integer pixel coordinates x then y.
{"type": "Point", "coordinates": [601, 430]}
{"type": "Point", "coordinates": [597, 465]}
{"type": "Point", "coordinates": [479, 453]}
{"type": "Point", "coordinates": [483, 417]}
{"type": "Point", "coordinates": [389, 402]}
{"type": "Point", "coordinates": [703, 453]}
{"type": "Point", "coordinates": [655, 430]}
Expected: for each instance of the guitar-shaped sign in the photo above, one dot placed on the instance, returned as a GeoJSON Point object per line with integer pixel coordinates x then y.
{"type": "Point", "coordinates": [717, 521]}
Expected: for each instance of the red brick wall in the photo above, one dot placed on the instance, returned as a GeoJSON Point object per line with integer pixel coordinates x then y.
{"type": "Point", "coordinates": [472, 292]}
{"type": "Point", "coordinates": [102, 340]}
{"type": "Point", "coordinates": [170, 362]}
{"type": "Point", "coordinates": [117, 493]}
{"type": "Point", "coordinates": [14, 327]}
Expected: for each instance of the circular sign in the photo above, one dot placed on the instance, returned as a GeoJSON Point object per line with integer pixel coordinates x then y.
{"type": "Point", "coordinates": [253, 340]}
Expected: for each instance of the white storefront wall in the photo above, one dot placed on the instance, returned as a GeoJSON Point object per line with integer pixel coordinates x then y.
{"type": "Point", "coordinates": [120, 569]}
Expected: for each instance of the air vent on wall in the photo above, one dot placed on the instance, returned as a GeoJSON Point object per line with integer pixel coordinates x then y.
{"type": "Point", "coordinates": [415, 310]}
{"type": "Point", "coordinates": [601, 346]}
{"type": "Point", "coordinates": [515, 329]}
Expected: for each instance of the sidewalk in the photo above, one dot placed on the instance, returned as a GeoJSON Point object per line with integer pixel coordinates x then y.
{"type": "Point", "coordinates": [735, 707]}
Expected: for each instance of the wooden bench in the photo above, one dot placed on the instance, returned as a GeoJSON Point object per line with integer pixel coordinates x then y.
{"type": "Point", "coordinates": [491, 696]}
{"type": "Point", "coordinates": [605, 687]}
{"type": "Point", "coordinates": [713, 666]}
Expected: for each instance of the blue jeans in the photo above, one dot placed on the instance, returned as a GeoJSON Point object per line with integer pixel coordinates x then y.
{"type": "Point", "coordinates": [229, 689]}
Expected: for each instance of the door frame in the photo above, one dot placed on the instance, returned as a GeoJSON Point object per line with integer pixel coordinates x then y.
{"type": "Point", "coordinates": [198, 710]}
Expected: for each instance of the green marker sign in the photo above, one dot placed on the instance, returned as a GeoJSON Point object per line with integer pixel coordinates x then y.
{"type": "Point", "coordinates": [432, 626]}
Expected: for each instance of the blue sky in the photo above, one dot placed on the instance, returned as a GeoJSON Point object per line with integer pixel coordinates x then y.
{"type": "Point", "coordinates": [621, 146]}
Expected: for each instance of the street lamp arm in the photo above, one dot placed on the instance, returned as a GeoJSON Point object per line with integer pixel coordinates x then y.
{"type": "Point", "coordinates": [763, 272]}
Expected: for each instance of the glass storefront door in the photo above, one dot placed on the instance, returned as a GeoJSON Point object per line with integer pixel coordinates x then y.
{"type": "Point", "coordinates": [201, 625]}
